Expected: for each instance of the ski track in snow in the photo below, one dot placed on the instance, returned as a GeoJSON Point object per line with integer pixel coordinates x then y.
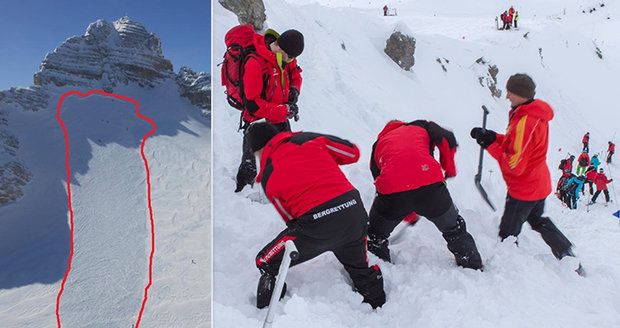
{"type": "Point", "coordinates": [352, 93]}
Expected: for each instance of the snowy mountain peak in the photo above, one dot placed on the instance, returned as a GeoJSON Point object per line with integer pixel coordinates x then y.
{"type": "Point", "coordinates": [107, 55]}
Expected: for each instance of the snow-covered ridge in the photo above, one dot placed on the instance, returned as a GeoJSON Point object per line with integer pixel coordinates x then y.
{"type": "Point", "coordinates": [108, 54]}
{"type": "Point", "coordinates": [196, 87]}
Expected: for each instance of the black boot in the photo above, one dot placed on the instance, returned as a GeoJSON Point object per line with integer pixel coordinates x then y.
{"type": "Point", "coordinates": [379, 246]}
{"type": "Point", "coordinates": [266, 285]}
{"type": "Point", "coordinates": [372, 288]}
{"type": "Point", "coordinates": [245, 175]}
{"type": "Point", "coordinates": [463, 246]}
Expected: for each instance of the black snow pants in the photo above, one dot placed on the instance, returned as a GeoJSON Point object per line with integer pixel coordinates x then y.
{"type": "Point", "coordinates": [598, 192]}
{"type": "Point", "coordinates": [517, 212]}
{"type": "Point", "coordinates": [342, 232]}
{"type": "Point", "coordinates": [434, 203]}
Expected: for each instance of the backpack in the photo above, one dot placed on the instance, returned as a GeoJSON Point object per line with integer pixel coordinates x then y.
{"type": "Point", "coordinates": [562, 163]}
{"type": "Point", "coordinates": [239, 47]}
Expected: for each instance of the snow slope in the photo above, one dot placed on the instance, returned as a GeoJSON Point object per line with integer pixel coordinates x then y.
{"type": "Point", "coordinates": [112, 231]}
{"type": "Point", "coordinates": [351, 89]}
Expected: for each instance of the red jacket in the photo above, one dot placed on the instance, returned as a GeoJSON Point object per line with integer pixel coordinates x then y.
{"type": "Point", "coordinates": [586, 138]}
{"type": "Point", "coordinates": [522, 151]}
{"type": "Point", "coordinates": [591, 175]}
{"type": "Point", "coordinates": [299, 171]}
{"type": "Point", "coordinates": [266, 83]}
{"type": "Point", "coordinates": [601, 181]}
{"type": "Point", "coordinates": [402, 157]}
{"type": "Point", "coordinates": [612, 148]}
{"type": "Point", "coordinates": [585, 157]}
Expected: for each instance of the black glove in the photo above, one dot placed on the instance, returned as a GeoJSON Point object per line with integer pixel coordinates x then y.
{"type": "Point", "coordinates": [293, 96]}
{"type": "Point", "coordinates": [293, 111]}
{"type": "Point", "coordinates": [483, 136]}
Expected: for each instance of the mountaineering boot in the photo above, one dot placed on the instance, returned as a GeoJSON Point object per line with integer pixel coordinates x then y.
{"type": "Point", "coordinates": [266, 285]}
{"type": "Point", "coordinates": [245, 175]}
{"type": "Point", "coordinates": [379, 246]}
{"type": "Point", "coordinates": [569, 256]}
{"type": "Point", "coordinates": [463, 246]}
{"type": "Point", "coordinates": [371, 288]}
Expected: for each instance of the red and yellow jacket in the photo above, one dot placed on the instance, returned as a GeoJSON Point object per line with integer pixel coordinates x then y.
{"type": "Point", "coordinates": [266, 83]}
{"type": "Point", "coordinates": [522, 151]}
{"type": "Point", "coordinates": [402, 157]}
{"type": "Point", "coordinates": [300, 171]}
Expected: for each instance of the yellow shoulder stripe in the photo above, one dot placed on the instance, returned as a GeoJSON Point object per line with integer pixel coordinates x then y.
{"type": "Point", "coordinates": [518, 143]}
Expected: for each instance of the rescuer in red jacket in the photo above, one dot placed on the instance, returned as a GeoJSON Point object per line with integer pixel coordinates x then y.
{"type": "Point", "coordinates": [601, 182]}
{"type": "Point", "coordinates": [586, 142]}
{"type": "Point", "coordinates": [300, 175]}
{"type": "Point", "coordinates": [522, 157]}
{"type": "Point", "coordinates": [610, 151]}
{"type": "Point", "coordinates": [409, 179]}
{"type": "Point", "coordinates": [271, 83]}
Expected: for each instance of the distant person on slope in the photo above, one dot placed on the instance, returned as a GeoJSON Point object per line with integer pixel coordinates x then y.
{"type": "Point", "coordinates": [504, 17]}
{"type": "Point", "coordinates": [583, 161]}
{"type": "Point", "coordinates": [271, 82]}
{"type": "Point", "coordinates": [323, 212]}
{"type": "Point", "coordinates": [601, 182]}
{"type": "Point", "coordinates": [574, 188]}
{"type": "Point", "coordinates": [591, 177]}
{"type": "Point", "coordinates": [385, 10]}
{"type": "Point", "coordinates": [522, 157]}
{"type": "Point", "coordinates": [610, 151]}
{"type": "Point", "coordinates": [566, 165]}
{"type": "Point", "coordinates": [595, 161]}
{"type": "Point", "coordinates": [516, 19]}
{"type": "Point", "coordinates": [586, 142]}
{"type": "Point", "coordinates": [409, 179]}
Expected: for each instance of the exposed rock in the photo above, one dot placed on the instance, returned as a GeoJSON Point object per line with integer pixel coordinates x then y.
{"type": "Point", "coordinates": [247, 11]}
{"type": "Point", "coordinates": [487, 76]}
{"type": "Point", "coordinates": [196, 87]}
{"type": "Point", "coordinates": [32, 99]}
{"type": "Point", "coordinates": [13, 178]}
{"type": "Point", "coordinates": [401, 48]}
{"type": "Point", "coordinates": [108, 54]}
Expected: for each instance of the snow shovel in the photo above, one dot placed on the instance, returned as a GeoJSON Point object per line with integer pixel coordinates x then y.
{"type": "Point", "coordinates": [478, 176]}
{"type": "Point", "coordinates": [290, 253]}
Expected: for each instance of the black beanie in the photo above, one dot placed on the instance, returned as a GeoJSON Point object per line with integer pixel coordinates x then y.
{"type": "Point", "coordinates": [259, 134]}
{"type": "Point", "coordinates": [292, 42]}
{"type": "Point", "coordinates": [521, 85]}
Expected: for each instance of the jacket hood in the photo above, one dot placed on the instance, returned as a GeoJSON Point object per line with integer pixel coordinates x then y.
{"type": "Point", "coordinates": [391, 125]}
{"type": "Point", "coordinates": [536, 108]}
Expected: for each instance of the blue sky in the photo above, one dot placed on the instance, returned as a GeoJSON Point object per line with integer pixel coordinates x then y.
{"type": "Point", "coordinates": [31, 28]}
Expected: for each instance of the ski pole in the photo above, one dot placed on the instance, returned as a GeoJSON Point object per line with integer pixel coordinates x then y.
{"type": "Point", "coordinates": [290, 253]}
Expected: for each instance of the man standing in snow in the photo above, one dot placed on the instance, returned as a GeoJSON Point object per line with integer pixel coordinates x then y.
{"type": "Point", "coordinates": [583, 161]}
{"type": "Point", "coordinates": [586, 142]}
{"type": "Point", "coordinates": [385, 10]}
{"type": "Point", "coordinates": [323, 212]}
{"type": "Point", "coordinates": [610, 151]}
{"type": "Point", "coordinates": [522, 157]}
{"type": "Point", "coordinates": [516, 19]}
{"type": "Point", "coordinates": [271, 82]}
{"type": "Point", "coordinates": [601, 182]}
{"type": "Point", "coordinates": [409, 180]}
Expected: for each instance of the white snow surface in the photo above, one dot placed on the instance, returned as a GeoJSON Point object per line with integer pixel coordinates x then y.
{"type": "Point", "coordinates": [352, 93]}
{"type": "Point", "coordinates": [112, 239]}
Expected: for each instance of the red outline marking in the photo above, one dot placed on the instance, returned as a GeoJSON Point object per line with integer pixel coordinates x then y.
{"type": "Point", "coordinates": [148, 191]}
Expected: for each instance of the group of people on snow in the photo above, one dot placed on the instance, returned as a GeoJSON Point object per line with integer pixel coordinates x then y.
{"type": "Point", "coordinates": [509, 18]}
{"type": "Point", "coordinates": [570, 186]}
{"type": "Point", "coordinates": [323, 210]}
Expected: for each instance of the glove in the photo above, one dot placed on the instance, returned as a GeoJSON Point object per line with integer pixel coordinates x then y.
{"type": "Point", "coordinates": [293, 111]}
{"type": "Point", "coordinates": [278, 114]}
{"type": "Point", "coordinates": [293, 96]}
{"type": "Point", "coordinates": [483, 136]}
